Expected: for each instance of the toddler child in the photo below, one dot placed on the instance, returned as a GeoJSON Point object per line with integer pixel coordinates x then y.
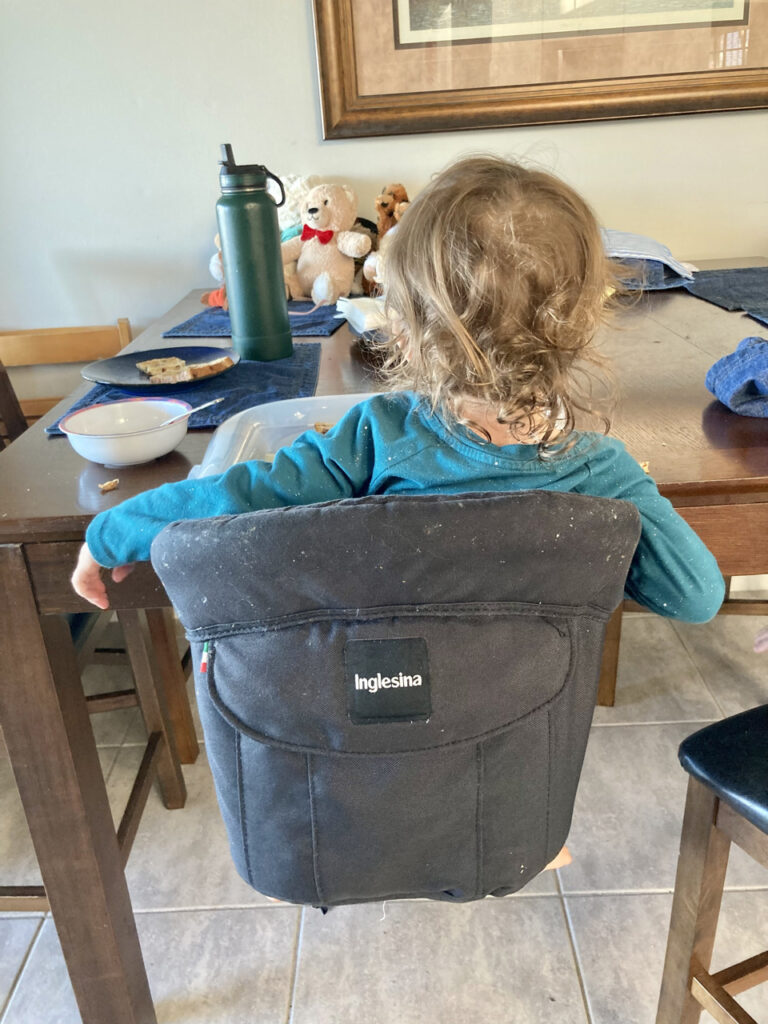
{"type": "Point", "coordinates": [496, 284]}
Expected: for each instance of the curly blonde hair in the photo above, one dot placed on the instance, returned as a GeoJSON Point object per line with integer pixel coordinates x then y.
{"type": "Point", "coordinates": [496, 282]}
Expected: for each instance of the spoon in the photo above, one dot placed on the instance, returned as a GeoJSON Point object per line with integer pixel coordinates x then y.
{"type": "Point", "coordinates": [188, 412]}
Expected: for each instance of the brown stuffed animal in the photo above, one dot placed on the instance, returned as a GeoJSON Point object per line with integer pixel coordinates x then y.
{"type": "Point", "coordinates": [385, 205]}
{"type": "Point", "coordinates": [373, 268]}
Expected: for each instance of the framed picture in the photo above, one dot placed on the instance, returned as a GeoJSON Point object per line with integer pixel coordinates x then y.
{"type": "Point", "coordinates": [392, 67]}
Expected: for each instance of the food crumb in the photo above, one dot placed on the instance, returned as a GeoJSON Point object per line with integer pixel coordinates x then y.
{"type": "Point", "coordinates": [645, 466]}
{"type": "Point", "coordinates": [109, 485]}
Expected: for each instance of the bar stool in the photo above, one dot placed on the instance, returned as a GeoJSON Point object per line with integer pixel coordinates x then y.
{"type": "Point", "coordinates": [727, 803]}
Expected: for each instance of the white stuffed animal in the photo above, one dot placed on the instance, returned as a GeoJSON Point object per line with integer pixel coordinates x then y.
{"type": "Point", "coordinates": [325, 251]}
{"type": "Point", "coordinates": [373, 268]}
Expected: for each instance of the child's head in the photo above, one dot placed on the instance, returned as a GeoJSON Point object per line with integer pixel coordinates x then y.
{"type": "Point", "coordinates": [496, 281]}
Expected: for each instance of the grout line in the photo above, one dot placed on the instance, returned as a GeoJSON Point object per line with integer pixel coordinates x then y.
{"type": "Point", "coordinates": [654, 892]}
{"type": "Point", "coordinates": [660, 721]}
{"type": "Point", "coordinates": [215, 907]}
{"type": "Point", "coordinates": [117, 748]}
{"type": "Point", "coordinates": [295, 966]}
{"type": "Point", "coordinates": [617, 892]}
{"type": "Point", "coordinates": [521, 894]}
{"type": "Point", "coordinates": [688, 650]}
{"type": "Point", "coordinates": [574, 950]}
{"type": "Point", "coordinates": [22, 967]}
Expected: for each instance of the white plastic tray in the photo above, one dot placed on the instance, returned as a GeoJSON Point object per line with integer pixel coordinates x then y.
{"type": "Point", "coordinates": [257, 433]}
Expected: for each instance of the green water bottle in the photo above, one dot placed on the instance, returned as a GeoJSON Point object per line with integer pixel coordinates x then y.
{"type": "Point", "coordinates": [253, 267]}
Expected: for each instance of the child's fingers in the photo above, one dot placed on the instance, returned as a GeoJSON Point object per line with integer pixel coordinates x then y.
{"type": "Point", "coordinates": [96, 593]}
{"type": "Point", "coordinates": [761, 641]}
{"type": "Point", "coordinates": [90, 586]}
{"type": "Point", "coordinates": [86, 579]}
{"type": "Point", "coordinates": [121, 571]}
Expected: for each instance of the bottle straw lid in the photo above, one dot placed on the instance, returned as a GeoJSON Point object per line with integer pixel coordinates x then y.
{"type": "Point", "coordinates": [251, 177]}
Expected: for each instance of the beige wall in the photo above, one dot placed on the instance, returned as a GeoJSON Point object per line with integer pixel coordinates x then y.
{"type": "Point", "coordinates": [112, 113]}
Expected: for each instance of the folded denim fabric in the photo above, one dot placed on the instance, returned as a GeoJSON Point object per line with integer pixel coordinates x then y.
{"type": "Point", "coordinates": [740, 379]}
{"type": "Point", "coordinates": [648, 275]}
{"type": "Point", "coordinates": [650, 266]}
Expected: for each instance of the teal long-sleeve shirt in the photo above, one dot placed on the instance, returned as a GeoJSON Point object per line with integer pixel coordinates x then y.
{"type": "Point", "coordinates": [392, 444]}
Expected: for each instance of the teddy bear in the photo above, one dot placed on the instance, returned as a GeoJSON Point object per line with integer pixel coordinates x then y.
{"type": "Point", "coordinates": [296, 188]}
{"type": "Point", "coordinates": [373, 268]}
{"type": "Point", "coordinates": [386, 203]}
{"type": "Point", "coordinates": [326, 249]}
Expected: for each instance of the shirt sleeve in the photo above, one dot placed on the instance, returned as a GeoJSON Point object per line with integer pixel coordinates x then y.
{"type": "Point", "coordinates": [673, 573]}
{"type": "Point", "coordinates": [314, 468]}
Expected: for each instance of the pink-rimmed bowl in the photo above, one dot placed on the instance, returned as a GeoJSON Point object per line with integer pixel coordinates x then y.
{"type": "Point", "coordinates": [126, 433]}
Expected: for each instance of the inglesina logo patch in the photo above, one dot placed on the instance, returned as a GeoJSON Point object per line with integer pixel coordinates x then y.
{"type": "Point", "coordinates": [387, 680]}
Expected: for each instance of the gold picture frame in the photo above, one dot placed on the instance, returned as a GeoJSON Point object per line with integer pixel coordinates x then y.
{"type": "Point", "coordinates": [379, 76]}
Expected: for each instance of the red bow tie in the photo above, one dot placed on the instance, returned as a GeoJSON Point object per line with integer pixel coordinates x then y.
{"type": "Point", "coordinates": [323, 237]}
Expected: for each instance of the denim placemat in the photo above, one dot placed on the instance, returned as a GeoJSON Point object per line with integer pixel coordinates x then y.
{"type": "Point", "coordinates": [245, 385]}
{"type": "Point", "coordinates": [744, 288]}
{"type": "Point", "coordinates": [740, 379]}
{"type": "Point", "coordinates": [214, 322]}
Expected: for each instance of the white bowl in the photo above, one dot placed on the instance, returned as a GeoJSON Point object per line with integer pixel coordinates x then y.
{"type": "Point", "coordinates": [126, 433]}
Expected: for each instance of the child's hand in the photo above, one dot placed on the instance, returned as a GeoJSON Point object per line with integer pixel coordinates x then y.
{"type": "Point", "coordinates": [87, 581]}
{"type": "Point", "coordinates": [761, 641]}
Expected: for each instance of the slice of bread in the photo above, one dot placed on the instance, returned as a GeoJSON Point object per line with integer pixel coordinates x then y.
{"type": "Point", "coordinates": [175, 377]}
{"type": "Point", "coordinates": [208, 369]}
{"type": "Point", "coordinates": [169, 364]}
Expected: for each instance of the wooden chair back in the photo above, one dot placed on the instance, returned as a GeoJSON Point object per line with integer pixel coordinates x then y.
{"type": "Point", "coordinates": [54, 346]}
{"type": "Point", "coordinates": [13, 422]}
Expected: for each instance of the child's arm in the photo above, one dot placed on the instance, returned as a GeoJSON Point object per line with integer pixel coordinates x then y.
{"type": "Point", "coordinates": [673, 572]}
{"type": "Point", "coordinates": [313, 469]}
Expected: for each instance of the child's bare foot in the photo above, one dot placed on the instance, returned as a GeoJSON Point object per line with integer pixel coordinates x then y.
{"type": "Point", "coordinates": [563, 859]}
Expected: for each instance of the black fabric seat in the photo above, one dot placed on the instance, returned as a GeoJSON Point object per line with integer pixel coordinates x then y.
{"type": "Point", "coordinates": [397, 690]}
{"type": "Point", "coordinates": [731, 758]}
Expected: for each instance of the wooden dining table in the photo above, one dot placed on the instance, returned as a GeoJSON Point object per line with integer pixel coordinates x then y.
{"type": "Point", "coordinates": [711, 463]}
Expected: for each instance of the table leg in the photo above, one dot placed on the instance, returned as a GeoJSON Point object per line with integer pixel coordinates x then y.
{"type": "Point", "coordinates": [152, 700]}
{"type": "Point", "coordinates": [163, 634]}
{"type": "Point", "coordinates": [54, 758]}
{"type": "Point", "coordinates": [606, 691]}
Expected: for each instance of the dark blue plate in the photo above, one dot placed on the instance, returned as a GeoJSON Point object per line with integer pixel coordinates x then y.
{"type": "Point", "coordinates": [121, 371]}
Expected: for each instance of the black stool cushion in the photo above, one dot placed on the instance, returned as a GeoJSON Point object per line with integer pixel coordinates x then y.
{"type": "Point", "coordinates": [731, 758]}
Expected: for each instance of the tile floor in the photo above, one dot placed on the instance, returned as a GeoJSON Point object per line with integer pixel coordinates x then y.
{"type": "Point", "coordinates": [584, 945]}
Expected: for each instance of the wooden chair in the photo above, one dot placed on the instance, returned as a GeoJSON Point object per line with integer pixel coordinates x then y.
{"type": "Point", "coordinates": [12, 419]}
{"type": "Point", "coordinates": [58, 346]}
{"type": "Point", "coordinates": [147, 640]}
{"type": "Point", "coordinates": [727, 803]}
{"type": "Point", "coordinates": [55, 346]}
